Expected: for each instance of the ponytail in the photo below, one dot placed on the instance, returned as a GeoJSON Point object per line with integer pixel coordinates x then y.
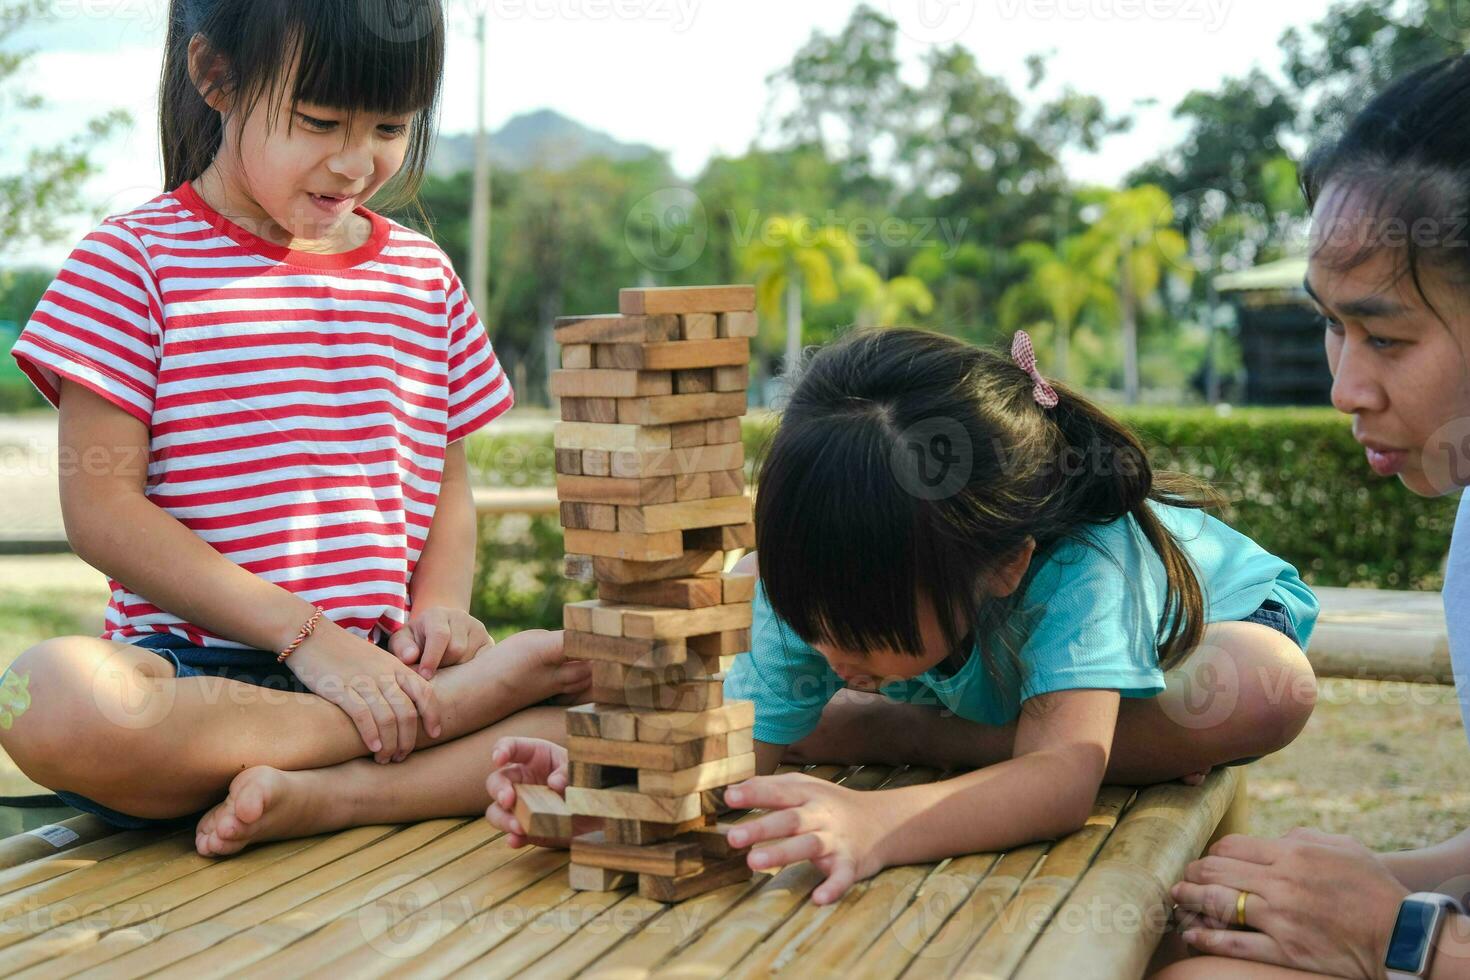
{"type": "Point", "coordinates": [190, 131]}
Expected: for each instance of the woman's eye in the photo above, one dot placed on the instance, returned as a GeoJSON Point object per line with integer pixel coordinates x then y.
{"type": "Point", "coordinates": [1381, 343]}
{"type": "Point", "coordinates": [1332, 325]}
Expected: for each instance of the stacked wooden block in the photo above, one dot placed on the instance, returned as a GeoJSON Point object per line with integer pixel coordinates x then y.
{"type": "Point", "coordinates": [650, 476]}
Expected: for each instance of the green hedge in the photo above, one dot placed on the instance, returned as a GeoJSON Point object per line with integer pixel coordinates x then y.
{"type": "Point", "coordinates": [1295, 480]}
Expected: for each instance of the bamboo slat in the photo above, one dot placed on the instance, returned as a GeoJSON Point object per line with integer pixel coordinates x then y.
{"type": "Point", "coordinates": [42, 841]}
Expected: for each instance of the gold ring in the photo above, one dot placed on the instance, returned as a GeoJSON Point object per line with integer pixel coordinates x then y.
{"type": "Point", "coordinates": [1240, 907]}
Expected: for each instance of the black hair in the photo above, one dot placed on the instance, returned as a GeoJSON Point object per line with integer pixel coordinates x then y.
{"type": "Point", "coordinates": [911, 464]}
{"type": "Point", "coordinates": [377, 56]}
{"type": "Point", "coordinates": [1406, 158]}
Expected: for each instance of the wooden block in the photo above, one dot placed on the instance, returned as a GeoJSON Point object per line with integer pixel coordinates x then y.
{"type": "Point", "coordinates": [719, 538]}
{"type": "Point", "coordinates": [608, 674]}
{"type": "Point", "coordinates": [626, 803]}
{"type": "Point", "coordinates": [683, 435]}
{"type": "Point", "coordinates": [686, 299]}
{"type": "Point", "coordinates": [693, 696]}
{"type": "Point", "coordinates": [743, 324]}
{"type": "Point", "coordinates": [667, 409]}
{"type": "Point", "coordinates": [738, 588]}
{"type": "Point", "coordinates": [732, 377]}
{"type": "Point", "coordinates": [679, 593]}
{"type": "Point", "coordinates": [578, 644]}
{"type": "Point", "coordinates": [699, 326]}
{"type": "Point", "coordinates": [641, 832]}
{"type": "Point", "coordinates": [630, 547]}
{"type": "Point", "coordinates": [613, 490]}
{"type": "Point", "coordinates": [578, 615]}
{"type": "Point", "coordinates": [715, 874]}
{"type": "Point", "coordinates": [661, 756]}
{"type": "Point", "coordinates": [720, 431]}
{"type": "Point", "coordinates": [682, 515]}
{"type": "Point", "coordinates": [722, 483]}
{"type": "Point", "coordinates": [669, 858]}
{"type": "Point", "coordinates": [569, 461]}
{"type": "Point", "coordinates": [584, 879]}
{"type": "Point", "coordinates": [576, 357]}
{"type": "Point", "coordinates": [589, 410]}
{"type": "Point", "coordinates": [722, 644]}
{"type": "Point", "coordinates": [648, 622]}
{"type": "Point", "coordinates": [615, 438]}
{"type": "Point", "coordinates": [695, 486]}
{"type": "Point", "coordinates": [601, 720]}
{"type": "Point", "coordinates": [707, 775]}
{"type": "Point", "coordinates": [714, 842]}
{"type": "Point", "coordinates": [688, 564]}
{"type": "Point", "coordinates": [611, 384]}
{"type": "Point", "coordinates": [615, 329]}
{"type": "Point", "coordinates": [542, 812]}
{"type": "Point", "coordinates": [676, 726]}
{"type": "Point", "coordinates": [578, 568]}
{"type": "Point", "coordinates": [594, 776]}
{"type": "Point", "coordinates": [607, 620]}
{"type": "Point", "coordinates": [740, 742]}
{"type": "Point", "coordinates": [695, 381]}
{"type": "Point", "coordinates": [669, 461]}
{"type": "Point", "coordinates": [596, 462]}
{"type": "Point", "coordinates": [589, 517]}
{"type": "Point", "coordinates": [677, 356]}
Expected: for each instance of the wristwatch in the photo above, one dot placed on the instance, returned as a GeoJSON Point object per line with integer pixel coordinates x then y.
{"type": "Point", "coordinates": [1411, 946]}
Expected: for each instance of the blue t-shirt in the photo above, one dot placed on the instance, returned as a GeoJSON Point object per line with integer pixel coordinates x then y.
{"type": "Point", "coordinates": [1090, 618]}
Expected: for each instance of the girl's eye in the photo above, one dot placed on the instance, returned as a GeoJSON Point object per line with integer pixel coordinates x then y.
{"type": "Point", "coordinates": [394, 130]}
{"type": "Point", "coordinates": [318, 124]}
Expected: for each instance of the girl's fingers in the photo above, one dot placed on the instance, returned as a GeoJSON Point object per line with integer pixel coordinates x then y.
{"type": "Point", "coordinates": [382, 718]}
{"type": "Point", "coordinates": [771, 826]}
{"type": "Point", "coordinates": [503, 819]}
{"type": "Point", "coordinates": [362, 717]}
{"type": "Point", "coordinates": [807, 847]}
{"type": "Point", "coordinates": [430, 662]}
{"type": "Point", "coordinates": [425, 699]}
{"type": "Point", "coordinates": [838, 882]}
{"type": "Point", "coordinates": [766, 792]}
{"type": "Point", "coordinates": [559, 780]}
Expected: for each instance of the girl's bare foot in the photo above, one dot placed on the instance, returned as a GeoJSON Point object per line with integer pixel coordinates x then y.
{"type": "Point", "coordinates": [1195, 778]}
{"type": "Point", "coordinates": [267, 804]}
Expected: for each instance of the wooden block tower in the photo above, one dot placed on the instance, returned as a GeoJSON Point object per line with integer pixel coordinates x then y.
{"type": "Point", "coordinates": [651, 480]}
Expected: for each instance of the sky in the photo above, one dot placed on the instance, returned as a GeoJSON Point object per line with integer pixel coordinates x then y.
{"type": "Point", "coordinates": [686, 76]}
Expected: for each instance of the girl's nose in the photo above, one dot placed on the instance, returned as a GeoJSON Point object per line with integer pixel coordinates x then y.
{"type": "Point", "coordinates": [354, 161]}
{"type": "Point", "coordinates": [1355, 388]}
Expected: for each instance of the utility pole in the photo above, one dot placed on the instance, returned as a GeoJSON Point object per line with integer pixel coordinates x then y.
{"type": "Point", "coordinates": [480, 209]}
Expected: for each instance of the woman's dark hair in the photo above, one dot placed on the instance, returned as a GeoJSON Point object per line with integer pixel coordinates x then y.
{"type": "Point", "coordinates": [377, 56]}
{"type": "Point", "coordinates": [909, 464]}
{"type": "Point", "coordinates": [1406, 158]}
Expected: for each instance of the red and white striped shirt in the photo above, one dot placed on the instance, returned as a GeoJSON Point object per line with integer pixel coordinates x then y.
{"type": "Point", "coordinates": [298, 404]}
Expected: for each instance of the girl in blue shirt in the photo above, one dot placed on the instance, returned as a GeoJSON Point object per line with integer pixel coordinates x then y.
{"type": "Point", "coordinates": [995, 557]}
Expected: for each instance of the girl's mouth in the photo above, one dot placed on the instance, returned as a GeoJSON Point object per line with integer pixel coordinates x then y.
{"type": "Point", "coordinates": [331, 205]}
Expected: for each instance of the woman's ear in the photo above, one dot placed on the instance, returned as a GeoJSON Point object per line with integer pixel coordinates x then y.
{"type": "Point", "coordinates": [210, 74]}
{"type": "Point", "coordinates": [1007, 578]}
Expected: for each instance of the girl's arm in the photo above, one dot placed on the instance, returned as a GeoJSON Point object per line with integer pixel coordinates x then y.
{"type": "Point", "coordinates": [1430, 869]}
{"type": "Point", "coordinates": [445, 572]}
{"type": "Point", "coordinates": [1046, 791]}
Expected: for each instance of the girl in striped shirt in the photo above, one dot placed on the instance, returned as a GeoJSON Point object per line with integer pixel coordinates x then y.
{"type": "Point", "coordinates": [264, 390]}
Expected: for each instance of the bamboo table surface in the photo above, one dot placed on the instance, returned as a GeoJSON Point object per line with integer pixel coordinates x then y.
{"type": "Point", "coordinates": [449, 897]}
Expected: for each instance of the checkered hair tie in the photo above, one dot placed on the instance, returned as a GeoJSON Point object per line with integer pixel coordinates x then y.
{"type": "Point", "coordinates": [1025, 356]}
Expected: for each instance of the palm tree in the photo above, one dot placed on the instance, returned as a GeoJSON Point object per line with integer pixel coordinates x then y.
{"type": "Point", "coordinates": [1063, 283]}
{"type": "Point", "coordinates": [1136, 239]}
{"type": "Point", "coordinates": [790, 257]}
{"type": "Point", "coordinates": [884, 303]}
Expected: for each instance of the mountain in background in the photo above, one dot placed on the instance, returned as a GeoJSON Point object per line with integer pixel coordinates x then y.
{"type": "Point", "coordinates": [544, 139]}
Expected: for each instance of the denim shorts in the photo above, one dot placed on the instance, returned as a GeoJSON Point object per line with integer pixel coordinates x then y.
{"type": "Point", "coordinates": [1273, 614]}
{"type": "Point", "coordinates": [255, 667]}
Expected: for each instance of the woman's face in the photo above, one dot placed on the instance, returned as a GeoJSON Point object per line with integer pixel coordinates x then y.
{"type": "Point", "coordinates": [1398, 369]}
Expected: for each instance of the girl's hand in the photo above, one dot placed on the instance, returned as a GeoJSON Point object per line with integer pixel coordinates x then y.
{"type": "Point", "coordinates": [384, 699]}
{"type": "Point", "coordinates": [523, 760]}
{"type": "Point", "coordinates": [439, 636]}
{"type": "Point", "coordinates": [1317, 902]}
{"type": "Point", "coordinates": [815, 821]}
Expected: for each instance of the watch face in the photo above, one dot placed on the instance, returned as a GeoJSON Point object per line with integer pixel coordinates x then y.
{"type": "Point", "coordinates": [1407, 948]}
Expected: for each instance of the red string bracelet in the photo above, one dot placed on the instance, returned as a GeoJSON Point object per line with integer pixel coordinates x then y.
{"type": "Point", "coordinates": [305, 632]}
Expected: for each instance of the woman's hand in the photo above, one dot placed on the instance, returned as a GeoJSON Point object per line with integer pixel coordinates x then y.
{"type": "Point", "coordinates": [439, 636]}
{"type": "Point", "coordinates": [384, 698]}
{"type": "Point", "coordinates": [813, 820]}
{"type": "Point", "coordinates": [1317, 902]}
{"type": "Point", "coordinates": [533, 761]}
